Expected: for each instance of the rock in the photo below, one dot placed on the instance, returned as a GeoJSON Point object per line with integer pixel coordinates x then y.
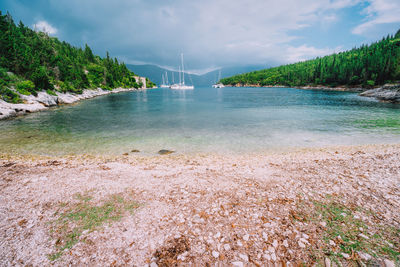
{"type": "Point", "coordinates": [46, 99]}
{"type": "Point", "coordinates": [244, 257]}
{"type": "Point", "coordinates": [364, 256]}
{"type": "Point", "coordinates": [389, 263]}
{"type": "Point", "coordinates": [275, 244]}
{"type": "Point", "coordinates": [227, 247]}
{"type": "Point", "coordinates": [165, 152]}
{"type": "Point", "coordinates": [265, 236]}
{"type": "Point", "coordinates": [125, 154]}
{"type": "Point", "coordinates": [323, 224]}
{"type": "Point", "coordinates": [267, 257]}
{"type": "Point", "coordinates": [285, 243]}
{"type": "Point", "coordinates": [301, 244]}
{"type": "Point", "coordinates": [237, 263]}
{"type": "Point", "coordinates": [327, 262]}
{"type": "Point", "coordinates": [215, 254]}
{"type": "Point", "coordinates": [363, 236]}
{"type": "Point", "coordinates": [273, 256]}
{"type": "Point", "coordinates": [345, 255]}
{"type": "Point", "coordinates": [66, 98]}
{"type": "Point", "coordinates": [332, 243]}
{"type": "Point", "coordinates": [135, 150]}
{"type": "Point", "coordinates": [153, 264]}
{"type": "Point", "coordinates": [246, 237]}
{"type": "Point", "coordinates": [388, 92]}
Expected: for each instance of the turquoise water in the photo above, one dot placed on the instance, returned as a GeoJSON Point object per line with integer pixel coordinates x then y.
{"type": "Point", "coordinates": [226, 120]}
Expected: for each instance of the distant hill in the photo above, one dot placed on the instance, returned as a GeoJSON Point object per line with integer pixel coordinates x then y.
{"type": "Point", "coordinates": [154, 73]}
{"type": "Point", "coordinates": [366, 66]}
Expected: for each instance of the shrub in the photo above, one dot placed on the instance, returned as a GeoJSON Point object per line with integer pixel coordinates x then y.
{"type": "Point", "coordinates": [9, 96]}
{"type": "Point", "coordinates": [51, 92]}
{"type": "Point", "coordinates": [26, 87]}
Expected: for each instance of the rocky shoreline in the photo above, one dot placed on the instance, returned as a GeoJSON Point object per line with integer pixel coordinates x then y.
{"type": "Point", "coordinates": [308, 87]}
{"type": "Point", "coordinates": [44, 101]}
{"type": "Point", "coordinates": [386, 93]}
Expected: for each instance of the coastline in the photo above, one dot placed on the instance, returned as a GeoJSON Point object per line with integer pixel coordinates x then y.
{"type": "Point", "coordinates": [249, 209]}
{"type": "Point", "coordinates": [44, 101]}
{"type": "Point", "coordinates": [326, 88]}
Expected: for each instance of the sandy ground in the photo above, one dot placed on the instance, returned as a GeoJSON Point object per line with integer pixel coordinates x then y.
{"type": "Point", "coordinates": [219, 210]}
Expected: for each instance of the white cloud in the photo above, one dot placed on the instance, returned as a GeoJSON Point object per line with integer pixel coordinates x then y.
{"type": "Point", "coordinates": [379, 12]}
{"type": "Point", "coordinates": [305, 52]}
{"type": "Point", "coordinates": [44, 26]}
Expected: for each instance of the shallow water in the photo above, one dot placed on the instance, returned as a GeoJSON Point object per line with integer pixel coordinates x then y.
{"type": "Point", "coordinates": [227, 120]}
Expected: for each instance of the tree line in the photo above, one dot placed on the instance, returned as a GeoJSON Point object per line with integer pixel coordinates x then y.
{"type": "Point", "coordinates": [366, 66]}
{"type": "Point", "coordinates": [33, 61]}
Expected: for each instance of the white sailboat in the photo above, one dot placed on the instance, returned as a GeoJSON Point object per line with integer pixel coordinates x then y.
{"type": "Point", "coordinates": [164, 81]}
{"type": "Point", "coordinates": [218, 85]}
{"type": "Point", "coordinates": [181, 85]}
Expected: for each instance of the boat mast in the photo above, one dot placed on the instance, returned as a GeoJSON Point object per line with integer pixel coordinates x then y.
{"type": "Point", "coordinates": [166, 78]}
{"type": "Point", "coordinates": [180, 80]}
{"type": "Point", "coordinates": [183, 70]}
{"type": "Point", "coordinates": [163, 81]}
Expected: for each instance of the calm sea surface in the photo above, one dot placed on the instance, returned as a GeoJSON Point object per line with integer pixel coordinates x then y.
{"type": "Point", "coordinates": [226, 120]}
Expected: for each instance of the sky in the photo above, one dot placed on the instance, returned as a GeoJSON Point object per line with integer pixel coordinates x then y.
{"type": "Point", "coordinates": [211, 33]}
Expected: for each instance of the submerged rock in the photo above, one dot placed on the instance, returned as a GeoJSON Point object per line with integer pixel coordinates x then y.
{"type": "Point", "coordinates": [388, 92]}
{"type": "Point", "coordinates": [165, 152]}
{"type": "Point", "coordinates": [135, 150]}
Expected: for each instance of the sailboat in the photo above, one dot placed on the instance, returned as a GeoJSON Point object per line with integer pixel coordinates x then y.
{"type": "Point", "coordinates": [218, 85]}
{"type": "Point", "coordinates": [164, 81]}
{"type": "Point", "coordinates": [181, 85]}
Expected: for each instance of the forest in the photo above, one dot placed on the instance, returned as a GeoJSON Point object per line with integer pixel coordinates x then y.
{"type": "Point", "coordinates": [33, 61]}
{"type": "Point", "coordinates": [366, 66]}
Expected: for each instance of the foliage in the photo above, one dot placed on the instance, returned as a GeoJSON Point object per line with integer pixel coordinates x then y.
{"type": "Point", "coordinates": [366, 66]}
{"type": "Point", "coordinates": [51, 64]}
{"type": "Point", "coordinates": [8, 95]}
{"type": "Point", "coordinates": [85, 216]}
{"type": "Point", "coordinates": [26, 87]}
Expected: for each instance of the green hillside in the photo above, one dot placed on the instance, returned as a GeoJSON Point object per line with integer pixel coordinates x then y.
{"type": "Point", "coordinates": [33, 61]}
{"type": "Point", "coordinates": [367, 66]}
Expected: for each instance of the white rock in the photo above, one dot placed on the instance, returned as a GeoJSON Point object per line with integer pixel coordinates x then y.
{"type": "Point", "coordinates": [246, 237]}
{"type": "Point", "coordinates": [364, 256]}
{"type": "Point", "coordinates": [323, 224]}
{"type": "Point", "coordinates": [273, 256]}
{"type": "Point", "coordinates": [275, 244]}
{"type": "Point", "coordinates": [285, 243]}
{"type": "Point", "coordinates": [227, 247]}
{"type": "Point", "coordinates": [363, 236]}
{"type": "Point", "coordinates": [153, 264]}
{"type": "Point", "coordinates": [217, 235]}
{"type": "Point", "coordinates": [239, 243]}
{"type": "Point", "coordinates": [267, 256]}
{"type": "Point", "coordinates": [327, 262]}
{"type": "Point", "coordinates": [215, 254]}
{"type": "Point", "coordinates": [345, 255]}
{"type": "Point", "coordinates": [332, 243]}
{"type": "Point", "coordinates": [244, 257]}
{"type": "Point", "coordinates": [305, 236]}
{"type": "Point", "coordinates": [237, 263]}
{"type": "Point", "coordinates": [389, 263]}
{"type": "Point", "coordinates": [271, 250]}
{"type": "Point", "coordinates": [301, 244]}
{"type": "Point", "coordinates": [265, 236]}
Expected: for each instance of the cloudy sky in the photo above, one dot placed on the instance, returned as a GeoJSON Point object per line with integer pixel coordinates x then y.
{"type": "Point", "coordinates": [211, 33]}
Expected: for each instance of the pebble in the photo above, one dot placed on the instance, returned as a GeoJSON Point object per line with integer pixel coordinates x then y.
{"type": "Point", "coordinates": [285, 243]}
{"type": "Point", "coordinates": [244, 257]}
{"type": "Point", "coordinates": [240, 244]}
{"type": "Point", "coordinates": [217, 235]}
{"type": "Point", "coordinates": [332, 243]}
{"type": "Point", "coordinates": [327, 262]}
{"type": "Point", "coordinates": [246, 237]}
{"type": "Point", "coordinates": [215, 254]}
{"type": "Point", "coordinates": [237, 263]}
{"type": "Point", "coordinates": [346, 256]}
{"type": "Point", "coordinates": [271, 249]}
{"type": "Point", "coordinates": [267, 257]}
{"type": "Point", "coordinates": [265, 236]}
{"type": "Point", "coordinates": [363, 236]}
{"type": "Point", "coordinates": [305, 236]}
{"type": "Point", "coordinates": [364, 256]}
{"type": "Point", "coordinates": [227, 247]}
{"type": "Point", "coordinates": [389, 263]}
{"type": "Point", "coordinates": [273, 256]}
{"type": "Point", "coordinates": [301, 244]}
{"type": "Point", "coordinates": [323, 224]}
{"type": "Point", "coordinates": [275, 244]}
{"type": "Point", "coordinates": [153, 264]}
